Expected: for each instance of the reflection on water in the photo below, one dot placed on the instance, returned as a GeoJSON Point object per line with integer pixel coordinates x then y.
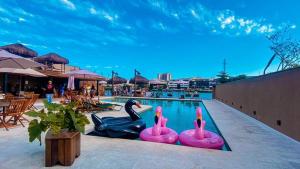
{"type": "Point", "coordinates": [175, 94]}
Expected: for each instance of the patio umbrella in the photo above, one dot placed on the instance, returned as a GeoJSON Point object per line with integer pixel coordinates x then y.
{"type": "Point", "coordinates": [118, 80]}
{"type": "Point", "coordinates": [17, 65]}
{"type": "Point", "coordinates": [19, 49]}
{"type": "Point", "coordinates": [84, 74]}
{"type": "Point", "coordinates": [21, 72]}
{"type": "Point", "coordinates": [28, 72]}
{"type": "Point", "coordinates": [140, 80]}
{"type": "Point", "coordinates": [8, 60]}
{"type": "Point", "coordinates": [71, 82]}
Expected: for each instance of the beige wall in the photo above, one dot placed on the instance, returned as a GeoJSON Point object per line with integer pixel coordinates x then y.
{"type": "Point", "coordinates": [273, 99]}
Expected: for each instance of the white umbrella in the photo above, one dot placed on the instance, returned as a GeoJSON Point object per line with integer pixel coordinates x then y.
{"type": "Point", "coordinates": [71, 82]}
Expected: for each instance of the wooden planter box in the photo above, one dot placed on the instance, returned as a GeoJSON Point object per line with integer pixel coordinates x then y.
{"type": "Point", "coordinates": [62, 148]}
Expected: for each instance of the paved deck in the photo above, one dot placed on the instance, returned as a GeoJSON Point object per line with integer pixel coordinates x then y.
{"type": "Point", "coordinates": [253, 145]}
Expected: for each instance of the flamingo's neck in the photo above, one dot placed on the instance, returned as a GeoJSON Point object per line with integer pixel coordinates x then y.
{"type": "Point", "coordinates": [156, 129]}
{"type": "Point", "coordinates": [164, 122]}
{"type": "Point", "coordinates": [199, 131]}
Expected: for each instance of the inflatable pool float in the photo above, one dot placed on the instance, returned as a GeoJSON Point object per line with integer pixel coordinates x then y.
{"type": "Point", "coordinates": [159, 132]}
{"type": "Point", "coordinates": [120, 127]}
{"type": "Point", "coordinates": [199, 137]}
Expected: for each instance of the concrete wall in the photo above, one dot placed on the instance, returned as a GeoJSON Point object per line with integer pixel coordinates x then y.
{"type": "Point", "coordinates": [273, 99]}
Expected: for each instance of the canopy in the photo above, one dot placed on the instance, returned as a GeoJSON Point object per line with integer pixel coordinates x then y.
{"type": "Point", "coordinates": [28, 71]}
{"type": "Point", "coordinates": [8, 60]}
{"type": "Point", "coordinates": [117, 80]}
{"type": "Point", "coordinates": [20, 49]}
{"type": "Point", "coordinates": [140, 80]}
{"type": "Point", "coordinates": [85, 74]}
{"type": "Point", "coordinates": [51, 58]}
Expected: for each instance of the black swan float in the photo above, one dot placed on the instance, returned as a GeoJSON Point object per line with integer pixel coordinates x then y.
{"type": "Point", "coordinates": [120, 127]}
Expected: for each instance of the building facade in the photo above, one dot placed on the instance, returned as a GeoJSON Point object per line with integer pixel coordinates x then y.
{"type": "Point", "coordinates": [178, 84]}
{"type": "Point", "coordinates": [198, 83]}
{"type": "Point", "coordinates": [164, 76]}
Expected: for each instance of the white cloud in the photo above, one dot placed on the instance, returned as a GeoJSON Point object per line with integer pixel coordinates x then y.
{"type": "Point", "coordinates": [193, 12]}
{"type": "Point", "coordinates": [265, 29]}
{"type": "Point", "coordinates": [68, 4]}
{"type": "Point", "coordinates": [93, 11]}
{"type": "Point", "coordinates": [293, 26]}
{"type": "Point", "coordinates": [6, 20]}
{"type": "Point", "coordinates": [21, 19]}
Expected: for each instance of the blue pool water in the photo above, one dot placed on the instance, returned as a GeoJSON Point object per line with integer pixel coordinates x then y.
{"type": "Point", "coordinates": [180, 114]}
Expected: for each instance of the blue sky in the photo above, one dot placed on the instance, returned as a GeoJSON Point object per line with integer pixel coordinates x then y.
{"type": "Point", "coordinates": [186, 38]}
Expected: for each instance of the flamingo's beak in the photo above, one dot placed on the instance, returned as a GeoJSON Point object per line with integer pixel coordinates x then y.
{"type": "Point", "coordinates": [138, 105]}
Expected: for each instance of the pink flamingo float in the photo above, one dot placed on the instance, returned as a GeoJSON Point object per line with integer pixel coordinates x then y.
{"type": "Point", "coordinates": [159, 132]}
{"type": "Point", "coordinates": [199, 137]}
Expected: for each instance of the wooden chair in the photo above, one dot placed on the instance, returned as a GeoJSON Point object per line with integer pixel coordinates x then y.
{"type": "Point", "coordinates": [33, 99]}
{"type": "Point", "coordinates": [15, 111]}
{"type": "Point", "coordinates": [25, 108]}
{"type": "Point", "coordinates": [9, 97]}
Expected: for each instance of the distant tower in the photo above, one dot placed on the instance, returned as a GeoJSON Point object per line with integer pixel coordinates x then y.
{"type": "Point", "coordinates": [224, 66]}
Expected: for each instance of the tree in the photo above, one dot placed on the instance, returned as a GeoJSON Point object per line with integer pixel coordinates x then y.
{"type": "Point", "coordinates": [223, 77]}
{"type": "Point", "coordinates": [285, 48]}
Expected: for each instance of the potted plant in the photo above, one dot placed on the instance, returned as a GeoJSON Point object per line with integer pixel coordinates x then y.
{"type": "Point", "coordinates": [62, 125]}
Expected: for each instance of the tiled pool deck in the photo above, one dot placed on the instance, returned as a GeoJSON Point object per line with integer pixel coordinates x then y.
{"type": "Point", "coordinates": [253, 145]}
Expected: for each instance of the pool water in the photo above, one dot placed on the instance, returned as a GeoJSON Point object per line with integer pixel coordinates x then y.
{"type": "Point", "coordinates": [180, 114]}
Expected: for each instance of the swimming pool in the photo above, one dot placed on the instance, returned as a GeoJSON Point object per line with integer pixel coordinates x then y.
{"type": "Point", "coordinates": [180, 114]}
{"type": "Point", "coordinates": [175, 94]}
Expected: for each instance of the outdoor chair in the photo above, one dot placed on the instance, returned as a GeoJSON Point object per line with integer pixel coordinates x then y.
{"type": "Point", "coordinates": [9, 97]}
{"type": "Point", "coordinates": [14, 110]}
{"type": "Point", "coordinates": [33, 99]}
{"type": "Point", "coordinates": [25, 108]}
{"type": "Point", "coordinates": [92, 105]}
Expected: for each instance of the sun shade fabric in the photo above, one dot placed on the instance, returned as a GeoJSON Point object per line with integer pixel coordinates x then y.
{"type": "Point", "coordinates": [28, 72]}
{"type": "Point", "coordinates": [52, 58]}
{"type": "Point", "coordinates": [20, 50]}
{"type": "Point", "coordinates": [85, 74]}
{"type": "Point", "coordinates": [18, 63]}
{"type": "Point", "coordinates": [118, 80]}
{"type": "Point", "coordinates": [140, 80]}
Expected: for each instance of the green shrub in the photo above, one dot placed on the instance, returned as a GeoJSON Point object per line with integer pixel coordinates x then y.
{"type": "Point", "coordinates": [56, 118]}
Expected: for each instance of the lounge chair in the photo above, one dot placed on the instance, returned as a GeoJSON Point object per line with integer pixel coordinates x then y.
{"type": "Point", "coordinates": [15, 111]}
{"type": "Point", "coordinates": [92, 105]}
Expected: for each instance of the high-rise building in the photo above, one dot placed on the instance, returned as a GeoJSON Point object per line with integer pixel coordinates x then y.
{"type": "Point", "coordinates": [165, 76]}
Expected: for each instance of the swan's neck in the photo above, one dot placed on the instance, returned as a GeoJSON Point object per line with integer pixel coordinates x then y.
{"type": "Point", "coordinates": [132, 113]}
